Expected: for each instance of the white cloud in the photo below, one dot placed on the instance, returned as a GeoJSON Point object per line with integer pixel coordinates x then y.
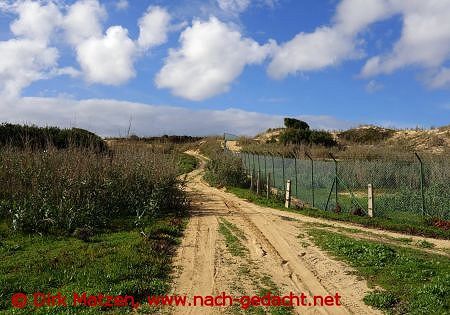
{"type": "Point", "coordinates": [154, 26]}
{"type": "Point", "coordinates": [211, 56]}
{"type": "Point", "coordinates": [440, 79]}
{"type": "Point", "coordinates": [109, 59]}
{"type": "Point", "coordinates": [122, 5]}
{"type": "Point", "coordinates": [314, 51]}
{"type": "Point", "coordinates": [83, 21]}
{"type": "Point", "coordinates": [424, 41]}
{"type": "Point", "coordinates": [23, 61]}
{"type": "Point", "coordinates": [373, 87]}
{"type": "Point", "coordinates": [28, 57]}
{"type": "Point", "coordinates": [233, 6]}
{"type": "Point", "coordinates": [111, 117]}
{"type": "Point", "coordinates": [36, 21]}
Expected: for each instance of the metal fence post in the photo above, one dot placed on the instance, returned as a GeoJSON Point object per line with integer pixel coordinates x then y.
{"type": "Point", "coordinates": [273, 171]}
{"type": "Point", "coordinates": [259, 169]}
{"type": "Point", "coordinates": [422, 180]}
{"type": "Point", "coordinates": [284, 179]}
{"type": "Point", "coordinates": [296, 176]}
{"type": "Point", "coordinates": [253, 166]}
{"type": "Point", "coordinates": [335, 178]}
{"type": "Point", "coordinates": [312, 176]}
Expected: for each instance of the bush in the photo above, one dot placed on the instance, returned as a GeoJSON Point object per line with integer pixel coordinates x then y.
{"type": "Point", "coordinates": [42, 138]}
{"type": "Point", "coordinates": [370, 135]}
{"type": "Point", "coordinates": [306, 136]}
{"type": "Point", "coordinates": [293, 123]}
{"type": "Point", "coordinates": [58, 191]}
{"type": "Point", "coordinates": [224, 169]}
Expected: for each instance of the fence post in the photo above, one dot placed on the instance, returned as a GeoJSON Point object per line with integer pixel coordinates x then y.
{"type": "Point", "coordinates": [265, 165]}
{"type": "Point", "coordinates": [257, 183]}
{"type": "Point", "coordinates": [296, 177]}
{"type": "Point", "coordinates": [259, 169]}
{"type": "Point", "coordinates": [370, 203]}
{"type": "Point", "coordinates": [268, 185]}
{"type": "Point", "coordinates": [287, 202]}
{"type": "Point", "coordinates": [273, 171]}
{"type": "Point", "coordinates": [422, 189]}
{"type": "Point", "coordinates": [335, 178]}
{"type": "Point", "coordinates": [282, 159]}
{"type": "Point", "coordinates": [312, 176]}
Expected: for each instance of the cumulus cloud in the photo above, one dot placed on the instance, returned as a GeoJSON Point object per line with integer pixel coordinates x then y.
{"type": "Point", "coordinates": [329, 45]}
{"type": "Point", "coordinates": [306, 52]}
{"type": "Point", "coordinates": [146, 119]}
{"type": "Point", "coordinates": [424, 40]}
{"type": "Point", "coordinates": [109, 59]}
{"type": "Point", "coordinates": [212, 55]}
{"type": "Point", "coordinates": [28, 57]}
{"type": "Point", "coordinates": [233, 6]}
{"type": "Point", "coordinates": [154, 27]}
{"type": "Point", "coordinates": [122, 4]}
{"type": "Point", "coordinates": [83, 21]}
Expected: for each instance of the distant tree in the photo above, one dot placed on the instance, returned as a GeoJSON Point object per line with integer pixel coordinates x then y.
{"type": "Point", "coordinates": [321, 137]}
{"type": "Point", "coordinates": [293, 123]}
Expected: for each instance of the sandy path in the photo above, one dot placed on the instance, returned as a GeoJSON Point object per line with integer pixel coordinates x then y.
{"type": "Point", "coordinates": [277, 248]}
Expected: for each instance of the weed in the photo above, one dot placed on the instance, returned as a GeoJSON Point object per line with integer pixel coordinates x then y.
{"type": "Point", "coordinates": [413, 282]}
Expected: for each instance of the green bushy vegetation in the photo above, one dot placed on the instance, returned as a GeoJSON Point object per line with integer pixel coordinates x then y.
{"type": "Point", "coordinates": [298, 132]}
{"type": "Point", "coordinates": [58, 191]}
{"type": "Point", "coordinates": [33, 137]}
{"type": "Point", "coordinates": [186, 163]}
{"type": "Point", "coordinates": [412, 282]}
{"type": "Point", "coordinates": [77, 220]}
{"type": "Point", "coordinates": [117, 262]}
{"type": "Point", "coordinates": [368, 135]}
{"type": "Point", "coordinates": [223, 168]}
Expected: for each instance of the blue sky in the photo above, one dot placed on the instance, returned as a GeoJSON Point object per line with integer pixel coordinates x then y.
{"type": "Point", "coordinates": [224, 65]}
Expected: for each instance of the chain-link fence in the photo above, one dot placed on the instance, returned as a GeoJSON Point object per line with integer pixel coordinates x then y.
{"type": "Point", "coordinates": [408, 190]}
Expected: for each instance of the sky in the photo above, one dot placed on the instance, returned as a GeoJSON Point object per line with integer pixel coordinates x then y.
{"type": "Point", "coordinates": [203, 67]}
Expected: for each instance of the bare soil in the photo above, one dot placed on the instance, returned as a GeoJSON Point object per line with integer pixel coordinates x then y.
{"type": "Point", "coordinates": [278, 251]}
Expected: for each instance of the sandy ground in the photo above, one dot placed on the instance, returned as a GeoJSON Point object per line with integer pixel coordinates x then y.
{"type": "Point", "coordinates": [279, 252]}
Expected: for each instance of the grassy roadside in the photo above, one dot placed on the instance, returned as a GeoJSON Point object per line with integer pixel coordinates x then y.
{"type": "Point", "coordinates": [116, 260]}
{"type": "Point", "coordinates": [186, 163]}
{"type": "Point", "coordinates": [420, 229]}
{"type": "Point", "coordinates": [115, 263]}
{"type": "Point", "coordinates": [411, 282]}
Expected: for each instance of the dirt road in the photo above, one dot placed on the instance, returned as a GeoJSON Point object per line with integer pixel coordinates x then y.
{"type": "Point", "coordinates": [274, 253]}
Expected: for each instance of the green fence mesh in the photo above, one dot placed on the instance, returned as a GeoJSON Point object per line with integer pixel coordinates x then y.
{"type": "Point", "coordinates": [398, 186]}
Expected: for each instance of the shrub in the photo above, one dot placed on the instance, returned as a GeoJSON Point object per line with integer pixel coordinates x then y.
{"type": "Point", "coordinates": [293, 123]}
{"type": "Point", "coordinates": [224, 169]}
{"type": "Point", "coordinates": [42, 138]}
{"type": "Point", "coordinates": [370, 135]}
{"type": "Point", "coordinates": [58, 191]}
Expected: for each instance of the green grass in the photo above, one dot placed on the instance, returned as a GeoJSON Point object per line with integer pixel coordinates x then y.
{"type": "Point", "coordinates": [412, 282]}
{"type": "Point", "coordinates": [233, 243]}
{"type": "Point", "coordinates": [117, 263]}
{"type": "Point", "coordinates": [420, 228]}
{"type": "Point", "coordinates": [186, 163]}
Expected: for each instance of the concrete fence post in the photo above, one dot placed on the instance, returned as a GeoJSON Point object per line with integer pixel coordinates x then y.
{"type": "Point", "coordinates": [268, 185]}
{"type": "Point", "coordinates": [257, 183]}
{"type": "Point", "coordinates": [370, 203]}
{"type": "Point", "coordinates": [287, 202]}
